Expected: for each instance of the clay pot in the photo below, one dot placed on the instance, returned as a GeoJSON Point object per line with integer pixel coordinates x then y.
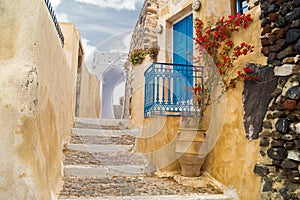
{"type": "Point", "coordinates": [188, 145]}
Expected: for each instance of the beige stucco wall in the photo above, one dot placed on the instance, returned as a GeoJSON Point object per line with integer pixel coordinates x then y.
{"type": "Point", "coordinates": [37, 93]}
{"type": "Point", "coordinates": [157, 137]}
{"type": "Point", "coordinates": [233, 158]}
{"type": "Point", "coordinates": [157, 142]}
{"type": "Point", "coordinates": [89, 100]}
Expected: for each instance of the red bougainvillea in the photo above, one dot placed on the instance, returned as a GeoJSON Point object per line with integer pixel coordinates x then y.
{"type": "Point", "coordinates": [216, 41]}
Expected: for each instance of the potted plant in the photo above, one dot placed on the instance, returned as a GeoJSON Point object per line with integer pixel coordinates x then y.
{"type": "Point", "coordinates": [137, 56]}
{"type": "Point", "coordinates": [191, 135]}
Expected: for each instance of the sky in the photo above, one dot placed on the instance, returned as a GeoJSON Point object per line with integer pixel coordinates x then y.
{"type": "Point", "coordinates": [104, 25]}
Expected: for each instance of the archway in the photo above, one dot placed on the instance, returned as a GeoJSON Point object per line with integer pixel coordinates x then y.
{"type": "Point", "coordinates": [109, 68]}
{"type": "Point", "coordinates": [111, 78]}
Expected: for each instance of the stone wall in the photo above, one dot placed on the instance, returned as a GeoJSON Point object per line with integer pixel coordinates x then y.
{"type": "Point", "coordinates": [37, 95]}
{"type": "Point", "coordinates": [143, 37]}
{"type": "Point", "coordinates": [279, 165]}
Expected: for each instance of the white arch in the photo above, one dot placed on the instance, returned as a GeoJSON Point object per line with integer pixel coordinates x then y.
{"type": "Point", "coordinates": [112, 77]}
{"type": "Point", "coordinates": [109, 68]}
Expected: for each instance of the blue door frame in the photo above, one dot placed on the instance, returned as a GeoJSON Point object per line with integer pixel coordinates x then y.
{"type": "Point", "coordinates": [183, 55]}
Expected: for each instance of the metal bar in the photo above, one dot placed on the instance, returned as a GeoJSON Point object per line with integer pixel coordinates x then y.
{"type": "Point", "coordinates": [171, 64]}
{"type": "Point", "coordinates": [157, 89]}
{"type": "Point", "coordinates": [169, 91]}
{"type": "Point", "coordinates": [163, 85]}
{"type": "Point", "coordinates": [54, 19]}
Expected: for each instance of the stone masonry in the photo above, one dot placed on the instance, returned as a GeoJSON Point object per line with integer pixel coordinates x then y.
{"type": "Point", "coordinates": [144, 37]}
{"type": "Point", "coordinates": [279, 166]}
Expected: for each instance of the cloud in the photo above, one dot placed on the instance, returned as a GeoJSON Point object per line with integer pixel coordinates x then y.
{"type": "Point", "coordinates": [114, 4]}
{"type": "Point", "coordinates": [62, 17]}
{"type": "Point", "coordinates": [100, 28]}
{"type": "Point", "coordinates": [55, 3]}
{"type": "Point", "coordinates": [127, 42]}
{"type": "Point", "coordinates": [88, 51]}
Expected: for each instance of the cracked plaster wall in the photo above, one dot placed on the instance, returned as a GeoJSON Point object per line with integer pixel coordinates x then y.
{"type": "Point", "coordinates": [37, 94]}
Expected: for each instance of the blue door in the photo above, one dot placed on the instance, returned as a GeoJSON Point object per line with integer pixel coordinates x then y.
{"type": "Point", "coordinates": [182, 55]}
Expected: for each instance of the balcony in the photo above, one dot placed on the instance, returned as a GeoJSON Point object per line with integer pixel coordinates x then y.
{"type": "Point", "coordinates": [168, 89]}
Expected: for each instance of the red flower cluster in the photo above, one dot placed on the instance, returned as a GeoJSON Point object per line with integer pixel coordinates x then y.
{"type": "Point", "coordinates": [199, 93]}
{"type": "Point", "coordinates": [247, 75]}
{"type": "Point", "coordinates": [242, 49]}
{"type": "Point", "coordinates": [216, 41]}
{"type": "Point", "coordinates": [247, 70]}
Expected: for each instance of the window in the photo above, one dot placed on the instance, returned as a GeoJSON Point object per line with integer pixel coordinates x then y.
{"type": "Point", "coordinates": [242, 6]}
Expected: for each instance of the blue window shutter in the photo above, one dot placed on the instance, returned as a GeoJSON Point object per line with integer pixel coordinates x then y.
{"type": "Point", "coordinates": [242, 6]}
{"type": "Point", "coordinates": [182, 54]}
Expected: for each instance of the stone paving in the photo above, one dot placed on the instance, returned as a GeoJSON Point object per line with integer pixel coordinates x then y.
{"type": "Point", "coordinates": [73, 157]}
{"type": "Point", "coordinates": [102, 184]}
{"type": "Point", "coordinates": [128, 186]}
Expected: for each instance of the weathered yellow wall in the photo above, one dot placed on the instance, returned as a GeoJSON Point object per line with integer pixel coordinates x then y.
{"type": "Point", "coordinates": [157, 142]}
{"type": "Point", "coordinates": [158, 133]}
{"type": "Point", "coordinates": [233, 157]}
{"type": "Point", "coordinates": [89, 95]}
{"type": "Point", "coordinates": [37, 93]}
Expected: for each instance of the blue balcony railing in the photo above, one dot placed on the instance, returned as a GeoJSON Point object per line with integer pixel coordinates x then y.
{"type": "Point", "coordinates": [168, 89]}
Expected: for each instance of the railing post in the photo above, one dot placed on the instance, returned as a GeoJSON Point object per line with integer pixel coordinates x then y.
{"type": "Point", "coordinates": [163, 84]}
{"type": "Point", "coordinates": [169, 86]}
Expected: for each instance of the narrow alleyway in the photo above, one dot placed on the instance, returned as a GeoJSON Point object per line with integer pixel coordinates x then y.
{"type": "Point", "coordinates": [101, 163]}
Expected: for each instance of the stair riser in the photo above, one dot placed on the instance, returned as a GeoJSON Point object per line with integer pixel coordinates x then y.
{"type": "Point", "coordinates": [101, 122]}
{"type": "Point", "coordinates": [104, 171]}
{"type": "Point", "coordinates": [100, 148]}
{"type": "Point", "coordinates": [105, 133]}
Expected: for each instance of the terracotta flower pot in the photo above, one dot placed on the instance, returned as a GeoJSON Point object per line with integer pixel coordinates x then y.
{"type": "Point", "coordinates": [188, 145]}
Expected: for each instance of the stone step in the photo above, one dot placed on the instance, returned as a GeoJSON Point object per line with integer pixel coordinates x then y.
{"type": "Point", "coordinates": [105, 133]}
{"type": "Point", "coordinates": [101, 123]}
{"type": "Point", "coordinates": [158, 197]}
{"type": "Point", "coordinates": [75, 157]}
{"type": "Point", "coordinates": [122, 158]}
{"type": "Point", "coordinates": [104, 170]}
{"type": "Point", "coordinates": [117, 140]}
{"type": "Point", "coordinates": [93, 148]}
{"type": "Point", "coordinates": [134, 188]}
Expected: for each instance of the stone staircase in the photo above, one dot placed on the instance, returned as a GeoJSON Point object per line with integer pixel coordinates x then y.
{"type": "Point", "coordinates": [101, 163]}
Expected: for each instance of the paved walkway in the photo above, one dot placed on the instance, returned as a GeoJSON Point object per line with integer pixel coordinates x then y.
{"type": "Point", "coordinates": [101, 163]}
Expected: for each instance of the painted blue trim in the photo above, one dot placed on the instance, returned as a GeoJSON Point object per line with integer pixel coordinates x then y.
{"type": "Point", "coordinates": [183, 53]}
{"type": "Point", "coordinates": [240, 8]}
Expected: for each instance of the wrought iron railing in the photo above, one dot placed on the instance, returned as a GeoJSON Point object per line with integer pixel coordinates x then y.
{"type": "Point", "coordinates": [168, 89]}
{"type": "Point", "coordinates": [54, 19]}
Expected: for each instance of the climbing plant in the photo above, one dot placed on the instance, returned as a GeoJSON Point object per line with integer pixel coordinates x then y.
{"type": "Point", "coordinates": [216, 41]}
